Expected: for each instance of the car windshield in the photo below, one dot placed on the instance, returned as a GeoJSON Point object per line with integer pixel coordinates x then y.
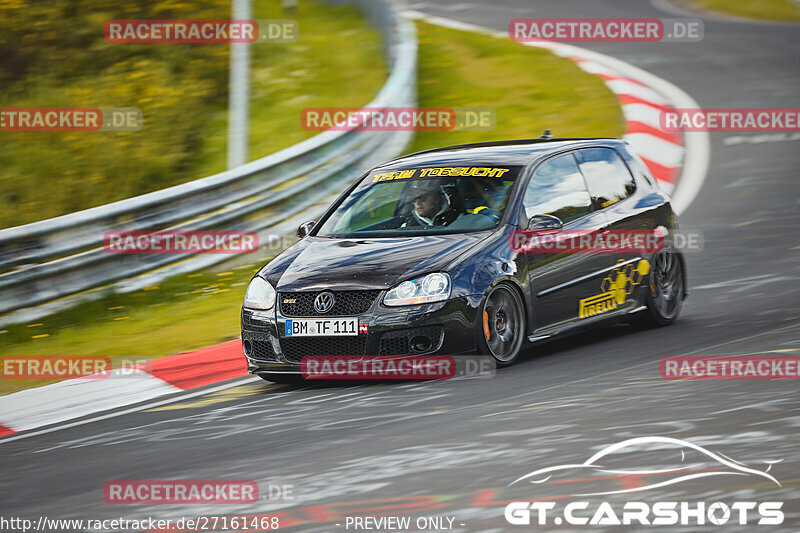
{"type": "Point", "coordinates": [423, 200]}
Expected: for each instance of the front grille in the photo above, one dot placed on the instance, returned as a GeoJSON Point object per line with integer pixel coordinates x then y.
{"type": "Point", "coordinates": [348, 303]}
{"type": "Point", "coordinates": [394, 345]}
{"type": "Point", "coordinates": [260, 347]}
{"type": "Point", "coordinates": [295, 349]}
{"type": "Point", "coordinates": [399, 342]}
{"type": "Point", "coordinates": [262, 351]}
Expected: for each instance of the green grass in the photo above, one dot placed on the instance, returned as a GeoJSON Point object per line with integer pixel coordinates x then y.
{"type": "Point", "coordinates": [286, 78]}
{"type": "Point", "coordinates": [55, 56]}
{"type": "Point", "coordinates": [779, 10]}
{"type": "Point", "coordinates": [529, 89]}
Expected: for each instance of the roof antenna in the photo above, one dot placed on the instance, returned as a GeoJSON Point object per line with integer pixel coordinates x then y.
{"type": "Point", "coordinates": [546, 135]}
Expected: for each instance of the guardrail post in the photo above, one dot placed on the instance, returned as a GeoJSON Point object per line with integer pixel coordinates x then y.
{"type": "Point", "coordinates": [239, 91]}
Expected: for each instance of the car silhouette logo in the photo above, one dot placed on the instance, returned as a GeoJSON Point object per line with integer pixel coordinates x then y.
{"type": "Point", "coordinates": [324, 302]}
{"type": "Point", "coordinates": [599, 463]}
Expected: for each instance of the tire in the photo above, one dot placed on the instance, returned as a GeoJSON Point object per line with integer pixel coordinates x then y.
{"type": "Point", "coordinates": [501, 325]}
{"type": "Point", "coordinates": [283, 379]}
{"type": "Point", "coordinates": [666, 287]}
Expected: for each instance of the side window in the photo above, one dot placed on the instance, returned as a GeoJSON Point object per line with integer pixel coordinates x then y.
{"type": "Point", "coordinates": [557, 188]}
{"type": "Point", "coordinates": [609, 178]}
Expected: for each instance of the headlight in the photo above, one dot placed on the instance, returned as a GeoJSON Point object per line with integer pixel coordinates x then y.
{"type": "Point", "coordinates": [431, 288]}
{"type": "Point", "coordinates": [259, 295]}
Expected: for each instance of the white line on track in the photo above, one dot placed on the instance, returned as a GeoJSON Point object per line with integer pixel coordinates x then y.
{"type": "Point", "coordinates": [180, 397]}
{"type": "Point", "coordinates": [76, 398]}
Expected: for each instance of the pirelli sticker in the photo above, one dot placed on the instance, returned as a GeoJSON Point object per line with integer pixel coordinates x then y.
{"type": "Point", "coordinates": [616, 287]}
{"type": "Point", "coordinates": [600, 303]}
{"type": "Point", "coordinates": [505, 173]}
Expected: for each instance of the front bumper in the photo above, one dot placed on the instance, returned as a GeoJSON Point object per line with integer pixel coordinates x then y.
{"type": "Point", "coordinates": [448, 326]}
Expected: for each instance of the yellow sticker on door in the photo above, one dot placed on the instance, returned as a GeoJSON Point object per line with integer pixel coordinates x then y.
{"type": "Point", "coordinates": [616, 287]}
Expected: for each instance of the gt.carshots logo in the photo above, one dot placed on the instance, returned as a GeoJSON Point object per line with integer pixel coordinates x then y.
{"type": "Point", "coordinates": [695, 463]}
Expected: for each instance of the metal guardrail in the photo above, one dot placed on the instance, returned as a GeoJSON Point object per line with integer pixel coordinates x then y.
{"type": "Point", "coordinates": [61, 257]}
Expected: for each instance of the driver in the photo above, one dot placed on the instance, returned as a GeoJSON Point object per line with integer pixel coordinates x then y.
{"type": "Point", "coordinates": [432, 203]}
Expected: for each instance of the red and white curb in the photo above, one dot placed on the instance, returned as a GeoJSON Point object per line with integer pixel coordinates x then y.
{"type": "Point", "coordinates": [661, 151]}
{"type": "Point", "coordinates": [78, 397]}
{"type": "Point", "coordinates": [678, 161]}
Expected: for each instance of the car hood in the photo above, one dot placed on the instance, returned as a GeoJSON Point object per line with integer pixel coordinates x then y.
{"type": "Point", "coordinates": [350, 264]}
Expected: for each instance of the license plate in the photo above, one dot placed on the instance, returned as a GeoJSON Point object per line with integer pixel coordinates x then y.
{"type": "Point", "coordinates": [321, 327]}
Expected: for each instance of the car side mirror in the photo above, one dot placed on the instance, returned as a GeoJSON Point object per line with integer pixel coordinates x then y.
{"type": "Point", "coordinates": [545, 223]}
{"type": "Point", "coordinates": [305, 228]}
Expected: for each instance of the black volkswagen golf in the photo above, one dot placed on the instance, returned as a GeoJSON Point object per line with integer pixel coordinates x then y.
{"type": "Point", "coordinates": [422, 256]}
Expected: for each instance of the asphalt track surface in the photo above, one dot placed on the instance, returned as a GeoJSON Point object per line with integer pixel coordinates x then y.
{"type": "Point", "coordinates": [452, 448]}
